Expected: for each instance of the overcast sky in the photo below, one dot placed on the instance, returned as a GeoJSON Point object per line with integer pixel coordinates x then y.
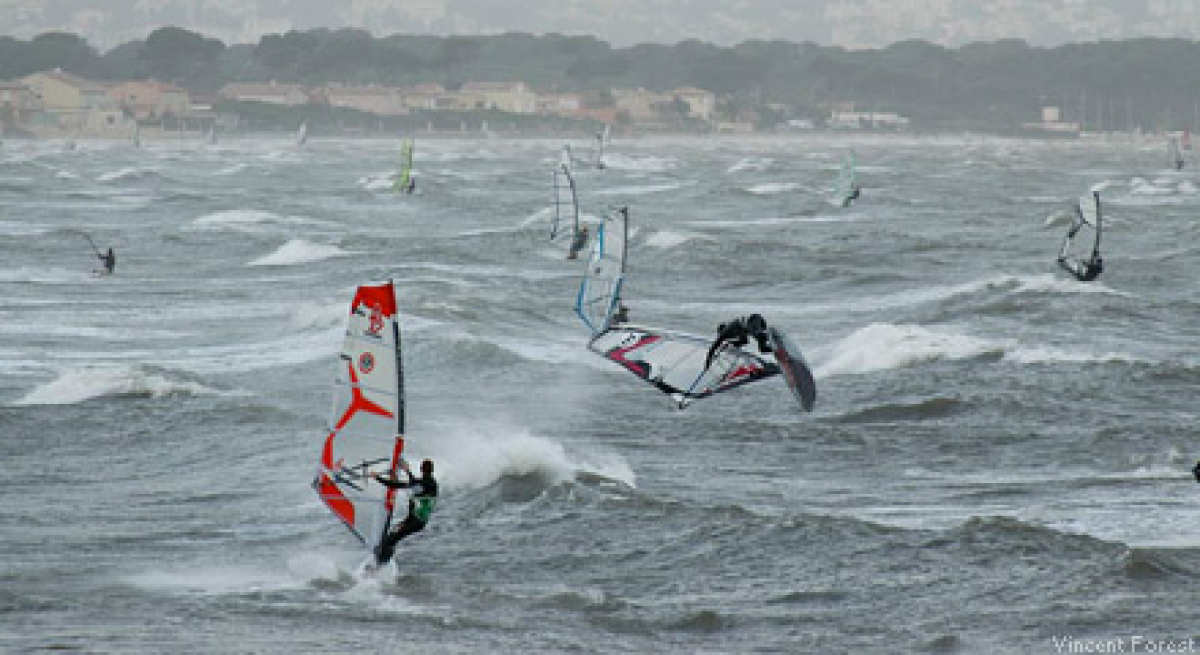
{"type": "Point", "coordinates": [849, 23]}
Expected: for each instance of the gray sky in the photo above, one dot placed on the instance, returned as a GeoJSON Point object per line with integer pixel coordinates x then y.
{"type": "Point", "coordinates": [850, 23]}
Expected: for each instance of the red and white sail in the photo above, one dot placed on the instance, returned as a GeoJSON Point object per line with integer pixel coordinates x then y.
{"type": "Point", "coordinates": [366, 426]}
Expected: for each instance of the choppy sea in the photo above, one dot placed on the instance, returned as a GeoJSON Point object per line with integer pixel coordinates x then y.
{"type": "Point", "coordinates": [998, 461]}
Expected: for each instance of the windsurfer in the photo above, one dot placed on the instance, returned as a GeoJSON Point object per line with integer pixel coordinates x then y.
{"type": "Point", "coordinates": [1196, 471]}
{"type": "Point", "coordinates": [621, 316]}
{"type": "Point", "coordinates": [855, 192]}
{"type": "Point", "coordinates": [420, 506]}
{"type": "Point", "coordinates": [580, 240]}
{"type": "Point", "coordinates": [738, 332]}
{"type": "Point", "coordinates": [1083, 271]}
{"type": "Point", "coordinates": [108, 260]}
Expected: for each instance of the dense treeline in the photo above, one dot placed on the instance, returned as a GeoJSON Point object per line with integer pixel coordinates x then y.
{"type": "Point", "coordinates": [1148, 83]}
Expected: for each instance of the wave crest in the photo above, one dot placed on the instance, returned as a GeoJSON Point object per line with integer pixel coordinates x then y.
{"type": "Point", "coordinates": [78, 386]}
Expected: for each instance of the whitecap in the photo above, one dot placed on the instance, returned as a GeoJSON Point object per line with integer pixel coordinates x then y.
{"type": "Point", "coordinates": [299, 251]}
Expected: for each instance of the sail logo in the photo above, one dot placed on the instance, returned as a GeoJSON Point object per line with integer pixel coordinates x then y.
{"type": "Point", "coordinates": [366, 362]}
{"type": "Point", "coordinates": [375, 321]}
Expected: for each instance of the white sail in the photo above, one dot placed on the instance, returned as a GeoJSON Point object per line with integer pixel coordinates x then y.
{"type": "Point", "coordinates": [566, 204]}
{"type": "Point", "coordinates": [302, 134]}
{"type": "Point", "coordinates": [601, 142]}
{"type": "Point", "coordinates": [677, 363]}
{"type": "Point", "coordinates": [366, 427]}
{"type": "Point", "coordinates": [845, 188]}
{"type": "Point", "coordinates": [600, 291]}
{"type": "Point", "coordinates": [564, 158]}
{"type": "Point", "coordinates": [1082, 241]}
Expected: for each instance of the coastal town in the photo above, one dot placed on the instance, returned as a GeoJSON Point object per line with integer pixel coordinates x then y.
{"type": "Point", "coordinates": [58, 104]}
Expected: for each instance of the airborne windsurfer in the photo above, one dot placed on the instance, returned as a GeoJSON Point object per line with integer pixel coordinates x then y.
{"type": "Point", "coordinates": [420, 506]}
{"type": "Point", "coordinates": [738, 332]}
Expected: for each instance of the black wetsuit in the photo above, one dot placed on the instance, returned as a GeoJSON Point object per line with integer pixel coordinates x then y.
{"type": "Point", "coordinates": [420, 506]}
{"type": "Point", "coordinates": [1083, 271]}
{"type": "Point", "coordinates": [109, 261]}
{"type": "Point", "coordinates": [1196, 471]}
{"type": "Point", "coordinates": [577, 243]}
{"type": "Point", "coordinates": [854, 193]}
{"type": "Point", "coordinates": [738, 333]}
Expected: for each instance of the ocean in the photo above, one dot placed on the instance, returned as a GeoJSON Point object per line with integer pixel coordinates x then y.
{"type": "Point", "coordinates": [998, 462]}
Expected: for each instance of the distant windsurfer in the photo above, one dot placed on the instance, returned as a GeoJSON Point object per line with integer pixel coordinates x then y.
{"type": "Point", "coordinates": [420, 506]}
{"type": "Point", "coordinates": [1196, 471]}
{"type": "Point", "coordinates": [1084, 271]}
{"type": "Point", "coordinates": [621, 316]}
{"type": "Point", "coordinates": [577, 244]}
{"type": "Point", "coordinates": [108, 260]}
{"type": "Point", "coordinates": [738, 333]}
{"type": "Point", "coordinates": [855, 192]}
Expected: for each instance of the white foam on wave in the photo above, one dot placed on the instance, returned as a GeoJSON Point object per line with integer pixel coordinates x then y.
{"type": "Point", "coordinates": [885, 346]}
{"type": "Point", "coordinates": [299, 251]}
{"type": "Point", "coordinates": [648, 163]}
{"type": "Point", "coordinates": [474, 456]}
{"type": "Point", "coordinates": [772, 188]}
{"type": "Point", "coordinates": [124, 174]}
{"type": "Point", "coordinates": [45, 275]}
{"type": "Point", "coordinates": [664, 239]}
{"type": "Point", "coordinates": [231, 170]}
{"type": "Point", "coordinates": [238, 217]}
{"type": "Point", "coordinates": [1051, 355]}
{"type": "Point", "coordinates": [22, 229]}
{"type": "Point", "coordinates": [77, 386]}
{"type": "Point", "coordinates": [383, 181]}
{"type": "Point", "coordinates": [253, 221]}
{"type": "Point", "coordinates": [751, 164]}
{"type": "Point", "coordinates": [217, 579]}
{"type": "Point", "coordinates": [641, 190]}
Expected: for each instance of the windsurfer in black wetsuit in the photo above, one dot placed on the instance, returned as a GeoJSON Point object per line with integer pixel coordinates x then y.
{"type": "Point", "coordinates": [420, 507]}
{"type": "Point", "coordinates": [577, 244]}
{"type": "Point", "coordinates": [621, 316]}
{"type": "Point", "coordinates": [738, 332]}
{"type": "Point", "coordinates": [1084, 271]}
{"type": "Point", "coordinates": [1196, 471]}
{"type": "Point", "coordinates": [109, 261]}
{"type": "Point", "coordinates": [855, 192]}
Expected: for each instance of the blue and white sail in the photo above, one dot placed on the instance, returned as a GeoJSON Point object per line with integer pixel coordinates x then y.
{"type": "Point", "coordinates": [600, 292]}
